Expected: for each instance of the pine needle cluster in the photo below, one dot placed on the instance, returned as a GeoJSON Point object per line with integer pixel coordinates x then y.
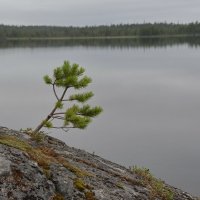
{"type": "Point", "coordinates": [79, 115]}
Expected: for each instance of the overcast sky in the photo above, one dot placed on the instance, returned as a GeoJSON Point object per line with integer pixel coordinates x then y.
{"type": "Point", "coordinates": [96, 12]}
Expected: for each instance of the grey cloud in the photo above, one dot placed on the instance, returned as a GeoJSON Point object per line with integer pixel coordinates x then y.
{"type": "Point", "coordinates": [93, 12]}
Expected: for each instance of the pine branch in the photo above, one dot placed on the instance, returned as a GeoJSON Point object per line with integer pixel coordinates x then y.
{"type": "Point", "coordinates": [54, 91]}
{"type": "Point", "coordinates": [61, 127]}
{"type": "Point", "coordinates": [61, 113]}
{"type": "Point", "coordinates": [58, 117]}
{"type": "Point", "coordinates": [66, 100]}
{"type": "Point", "coordinates": [51, 113]}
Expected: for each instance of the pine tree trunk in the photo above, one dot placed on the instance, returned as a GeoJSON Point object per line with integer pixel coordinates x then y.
{"type": "Point", "coordinates": [38, 128]}
{"type": "Point", "coordinates": [45, 120]}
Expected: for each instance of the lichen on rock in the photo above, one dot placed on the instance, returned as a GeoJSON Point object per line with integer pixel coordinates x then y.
{"type": "Point", "coordinates": [51, 170]}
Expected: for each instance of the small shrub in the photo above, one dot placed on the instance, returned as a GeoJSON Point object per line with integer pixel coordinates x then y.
{"type": "Point", "coordinates": [156, 187]}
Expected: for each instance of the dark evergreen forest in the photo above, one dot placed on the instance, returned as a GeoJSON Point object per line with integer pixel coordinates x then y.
{"type": "Point", "coordinates": [121, 30]}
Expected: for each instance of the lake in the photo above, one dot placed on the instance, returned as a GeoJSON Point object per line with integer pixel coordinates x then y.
{"type": "Point", "coordinates": [149, 89]}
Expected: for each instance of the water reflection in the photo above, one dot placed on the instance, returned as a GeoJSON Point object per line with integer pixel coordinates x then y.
{"type": "Point", "coordinates": [114, 43]}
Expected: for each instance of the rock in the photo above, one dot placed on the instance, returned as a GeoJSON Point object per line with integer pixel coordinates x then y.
{"type": "Point", "coordinates": [23, 179]}
{"type": "Point", "coordinates": [4, 166]}
{"type": "Point", "coordinates": [51, 170]}
{"type": "Point", "coordinates": [63, 181]}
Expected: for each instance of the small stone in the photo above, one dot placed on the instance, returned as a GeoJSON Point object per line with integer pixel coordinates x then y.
{"type": "Point", "coordinates": [4, 166]}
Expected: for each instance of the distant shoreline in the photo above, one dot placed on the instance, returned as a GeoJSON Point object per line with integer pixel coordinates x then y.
{"type": "Point", "coordinates": [99, 37]}
{"type": "Point", "coordinates": [120, 31]}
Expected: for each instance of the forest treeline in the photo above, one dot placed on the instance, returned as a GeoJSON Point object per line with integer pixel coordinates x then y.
{"type": "Point", "coordinates": [131, 30]}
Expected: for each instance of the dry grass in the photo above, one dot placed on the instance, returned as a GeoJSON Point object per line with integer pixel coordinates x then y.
{"type": "Point", "coordinates": [85, 188]}
{"type": "Point", "coordinates": [44, 156]}
{"type": "Point", "coordinates": [58, 196]}
{"type": "Point", "coordinates": [156, 187]}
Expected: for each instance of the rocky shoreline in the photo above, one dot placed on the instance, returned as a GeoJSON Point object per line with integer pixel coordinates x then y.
{"type": "Point", "coordinates": [45, 168]}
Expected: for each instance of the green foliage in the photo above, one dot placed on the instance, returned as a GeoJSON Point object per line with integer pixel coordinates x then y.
{"type": "Point", "coordinates": [77, 121]}
{"type": "Point", "coordinates": [70, 76]}
{"type": "Point", "coordinates": [47, 124]}
{"type": "Point", "coordinates": [59, 104]}
{"type": "Point", "coordinates": [83, 82]}
{"type": "Point", "coordinates": [47, 80]}
{"type": "Point", "coordinates": [145, 29]}
{"type": "Point", "coordinates": [80, 117]}
{"type": "Point", "coordinates": [81, 97]}
{"type": "Point", "coordinates": [86, 110]}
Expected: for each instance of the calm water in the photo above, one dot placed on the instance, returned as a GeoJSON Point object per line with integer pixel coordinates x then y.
{"type": "Point", "coordinates": [150, 95]}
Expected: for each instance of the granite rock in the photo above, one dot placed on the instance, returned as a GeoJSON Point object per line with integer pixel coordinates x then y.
{"type": "Point", "coordinates": [51, 170]}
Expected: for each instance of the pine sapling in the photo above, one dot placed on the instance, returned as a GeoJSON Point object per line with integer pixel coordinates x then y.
{"type": "Point", "coordinates": [79, 115]}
